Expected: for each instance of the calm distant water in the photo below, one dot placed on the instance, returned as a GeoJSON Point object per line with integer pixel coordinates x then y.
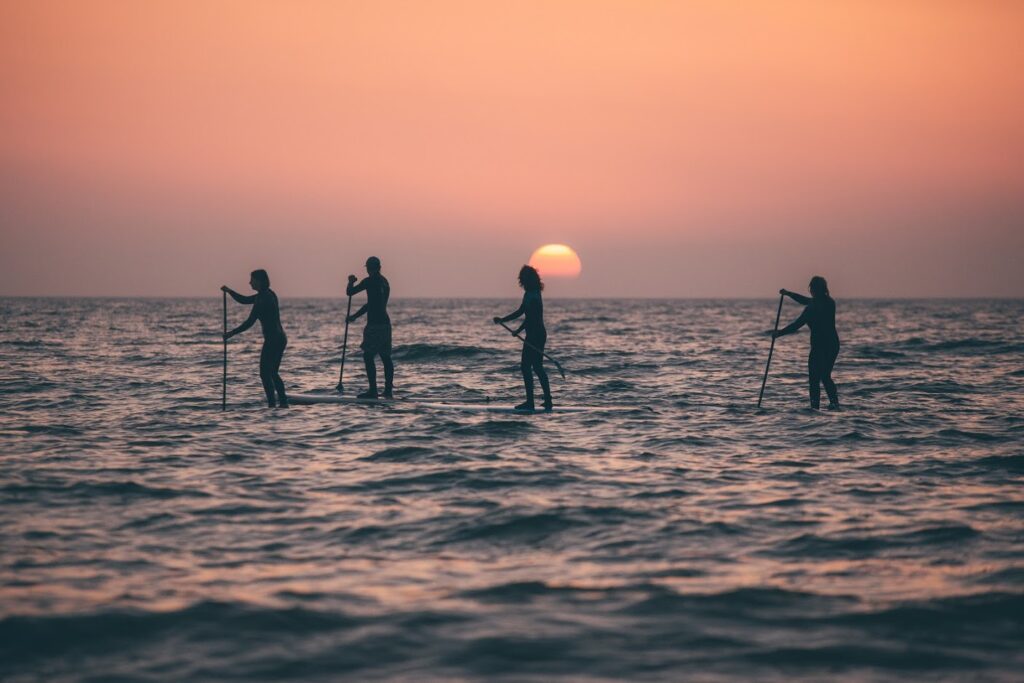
{"type": "Point", "coordinates": [148, 536]}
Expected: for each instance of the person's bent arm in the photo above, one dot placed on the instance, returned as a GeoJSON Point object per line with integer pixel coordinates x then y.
{"type": "Point", "coordinates": [793, 326]}
{"type": "Point", "coordinates": [240, 298]}
{"type": "Point", "coordinates": [799, 298]}
{"type": "Point", "coordinates": [353, 288]}
{"type": "Point", "coordinates": [511, 316]}
{"type": "Point", "coordinates": [249, 322]}
{"type": "Point", "coordinates": [355, 316]}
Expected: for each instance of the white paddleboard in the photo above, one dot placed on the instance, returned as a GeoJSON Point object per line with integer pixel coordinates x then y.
{"type": "Point", "coordinates": [309, 399]}
{"type": "Point", "coordinates": [496, 408]}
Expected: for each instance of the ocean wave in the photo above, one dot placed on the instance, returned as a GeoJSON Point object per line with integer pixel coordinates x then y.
{"type": "Point", "coordinates": [525, 529]}
{"type": "Point", "coordinates": [502, 428]}
{"type": "Point", "coordinates": [89, 489]}
{"type": "Point", "coordinates": [967, 345]}
{"type": "Point", "coordinates": [964, 435]}
{"type": "Point", "coordinates": [941, 387]}
{"type": "Point", "coordinates": [1012, 463]}
{"type": "Point", "coordinates": [438, 352]}
{"type": "Point", "coordinates": [941, 619]}
{"type": "Point", "coordinates": [867, 545]}
{"type": "Point", "coordinates": [30, 637]}
{"type": "Point", "coordinates": [876, 353]}
{"type": "Point", "coordinates": [51, 430]}
{"type": "Point", "coordinates": [471, 478]}
{"type": "Point", "coordinates": [402, 454]}
{"type": "Point", "coordinates": [841, 658]}
{"type": "Point", "coordinates": [747, 603]}
{"type": "Point", "coordinates": [613, 386]}
{"type": "Point", "coordinates": [32, 343]}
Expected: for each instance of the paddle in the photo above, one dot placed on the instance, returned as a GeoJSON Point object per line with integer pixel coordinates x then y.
{"type": "Point", "coordinates": [344, 349]}
{"type": "Point", "coordinates": [224, 388]}
{"type": "Point", "coordinates": [771, 350]}
{"type": "Point", "coordinates": [516, 335]}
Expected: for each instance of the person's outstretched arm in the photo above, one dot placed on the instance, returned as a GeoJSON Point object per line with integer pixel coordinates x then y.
{"type": "Point", "coordinates": [793, 326]}
{"type": "Point", "coordinates": [240, 298]}
{"type": "Point", "coordinates": [799, 298]}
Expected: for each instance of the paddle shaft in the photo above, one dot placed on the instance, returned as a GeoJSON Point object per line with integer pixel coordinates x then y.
{"type": "Point", "coordinates": [344, 344]}
{"type": "Point", "coordinates": [224, 385]}
{"type": "Point", "coordinates": [771, 350]}
{"type": "Point", "coordinates": [516, 335]}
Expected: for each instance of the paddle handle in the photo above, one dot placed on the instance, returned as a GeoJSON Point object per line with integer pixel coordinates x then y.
{"type": "Point", "coordinates": [224, 384]}
{"type": "Point", "coordinates": [516, 335]}
{"type": "Point", "coordinates": [771, 350]}
{"type": "Point", "coordinates": [344, 343]}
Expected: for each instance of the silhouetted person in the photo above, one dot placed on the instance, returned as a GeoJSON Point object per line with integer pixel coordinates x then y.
{"type": "Point", "coordinates": [264, 309]}
{"type": "Point", "coordinates": [536, 336]}
{"type": "Point", "coordinates": [377, 333]}
{"type": "Point", "coordinates": [819, 315]}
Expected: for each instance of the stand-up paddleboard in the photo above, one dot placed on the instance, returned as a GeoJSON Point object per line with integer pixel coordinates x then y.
{"type": "Point", "coordinates": [311, 399]}
{"type": "Point", "coordinates": [495, 408]}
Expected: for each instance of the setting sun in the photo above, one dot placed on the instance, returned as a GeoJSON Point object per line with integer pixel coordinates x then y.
{"type": "Point", "coordinates": [556, 260]}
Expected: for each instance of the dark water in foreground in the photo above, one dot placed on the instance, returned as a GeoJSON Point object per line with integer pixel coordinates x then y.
{"type": "Point", "coordinates": [147, 536]}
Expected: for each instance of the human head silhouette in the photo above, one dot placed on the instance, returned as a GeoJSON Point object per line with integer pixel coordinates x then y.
{"type": "Point", "coordinates": [529, 279]}
{"type": "Point", "coordinates": [373, 265]}
{"type": "Point", "coordinates": [818, 287]}
{"type": "Point", "coordinates": [259, 280]}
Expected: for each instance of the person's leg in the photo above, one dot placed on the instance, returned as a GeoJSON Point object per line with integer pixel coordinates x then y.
{"type": "Point", "coordinates": [389, 374]}
{"type": "Point", "coordinates": [371, 375]}
{"type": "Point", "coordinates": [814, 380]}
{"type": "Point", "coordinates": [826, 378]}
{"type": "Point", "coordinates": [266, 373]}
{"type": "Point", "coordinates": [545, 385]}
{"type": "Point", "coordinates": [282, 398]}
{"type": "Point", "coordinates": [526, 367]}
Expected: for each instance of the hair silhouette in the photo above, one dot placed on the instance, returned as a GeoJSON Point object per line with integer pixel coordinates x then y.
{"type": "Point", "coordinates": [261, 277]}
{"type": "Point", "coordinates": [818, 287]}
{"type": "Point", "coordinates": [529, 279]}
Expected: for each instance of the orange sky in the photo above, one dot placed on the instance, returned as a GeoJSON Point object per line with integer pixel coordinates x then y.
{"type": "Point", "coordinates": [718, 148]}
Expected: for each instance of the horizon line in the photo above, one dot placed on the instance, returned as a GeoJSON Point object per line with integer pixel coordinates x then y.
{"type": "Point", "coordinates": [342, 297]}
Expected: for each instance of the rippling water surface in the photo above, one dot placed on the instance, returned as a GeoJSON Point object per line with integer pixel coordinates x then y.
{"type": "Point", "coordinates": [146, 535]}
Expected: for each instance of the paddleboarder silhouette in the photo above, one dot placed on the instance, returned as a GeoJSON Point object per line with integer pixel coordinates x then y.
{"type": "Point", "coordinates": [377, 333]}
{"type": "Point", "coordinates": [819, 315]}
{"type": "Point", "coordinates": [532, 308]}
{"type": "Point", "coordinates": [266, 310]}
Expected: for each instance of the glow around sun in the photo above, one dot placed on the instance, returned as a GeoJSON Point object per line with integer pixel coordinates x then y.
{"type": "Point", "coordinates": [556, 260]}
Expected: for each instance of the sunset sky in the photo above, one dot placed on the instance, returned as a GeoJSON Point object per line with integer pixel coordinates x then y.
{"type": "Point", "coordinates": [681, 148]}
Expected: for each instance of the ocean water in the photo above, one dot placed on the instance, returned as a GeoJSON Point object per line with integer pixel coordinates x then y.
{"type": "Point", "coordinates": [147, 535]}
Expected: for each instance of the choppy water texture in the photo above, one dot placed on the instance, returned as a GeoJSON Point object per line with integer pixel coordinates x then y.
{"type": "Point", "coordinates": [146, 535]}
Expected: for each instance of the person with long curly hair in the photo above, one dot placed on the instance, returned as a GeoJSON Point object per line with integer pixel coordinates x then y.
{"type": "Point", "coordinates": [532, 311]}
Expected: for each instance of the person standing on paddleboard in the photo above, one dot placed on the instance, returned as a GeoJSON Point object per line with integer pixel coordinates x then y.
{"type": "Point", "coordinates": [264, 309]}
{"type": "Point", "coordinates": [377, 333]}
{"type": "Point", "coordinates": [536, 336]}
{"type": "Point", "coordinates": [819, 315]}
